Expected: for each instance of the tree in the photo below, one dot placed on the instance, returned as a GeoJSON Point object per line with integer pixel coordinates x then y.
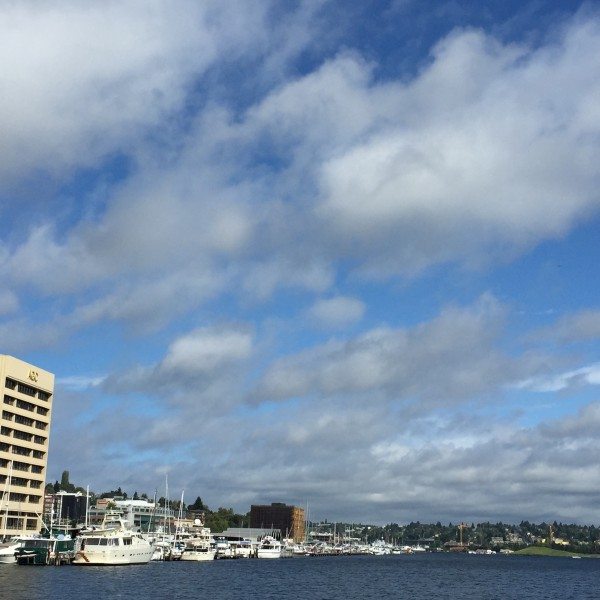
{"type": "Point", "coordinates": [198, 505]}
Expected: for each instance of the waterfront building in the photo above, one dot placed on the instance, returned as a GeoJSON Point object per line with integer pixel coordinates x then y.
{"type": "Point", "coordinates": [65, 507]}
{"type": "Point", "coordinates": [27, 393]}
{"type": "Point", "coordinates": [141, 515]}
{"type": "Point", "coordinates": [288, 519]}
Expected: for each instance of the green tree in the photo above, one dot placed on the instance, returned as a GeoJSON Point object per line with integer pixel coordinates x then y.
{"type": "Point", "coordinates": [198, 505]}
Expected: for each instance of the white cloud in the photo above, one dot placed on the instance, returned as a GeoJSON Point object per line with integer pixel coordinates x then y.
{"type": "Point", "coordinates": [204, 367]}
{"type": "Point", "coordinates": [338, 311]}
{"type": "Point", "coordinates": [79, 382]}
{"type": "Point", "coordinates": [206, 350]}
{"type": "Point", "coordinates": [589, 375]}
{"type": "Point", "coordinates": [83, 80]}
{"type": "Point", "coordinates": [451, 358]}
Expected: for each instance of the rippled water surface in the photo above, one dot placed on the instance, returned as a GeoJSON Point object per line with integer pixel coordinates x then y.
{"type": "Point", "coordinates": [439, 576]}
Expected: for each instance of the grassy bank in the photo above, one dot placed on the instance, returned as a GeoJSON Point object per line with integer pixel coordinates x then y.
{"type": "Point", "coordinates": [544, 551]}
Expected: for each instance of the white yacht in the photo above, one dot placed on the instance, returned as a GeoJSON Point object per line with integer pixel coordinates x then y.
{"type": "Point", "coordinates": [113, 544]}
{"type": "Point", "coordinates": [241, 548]}
{"type": "Point", "coordinates": [8, 550]}
{"type": "Point", "coordinates": [269, 547]}
{"type": "Point", "coordinates": [199, 547]}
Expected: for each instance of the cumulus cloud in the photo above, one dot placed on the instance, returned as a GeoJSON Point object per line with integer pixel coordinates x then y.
{"type": "Point", "coordinates": [450, 358]}
{"type": "Point", "coordinates": [337, 312]}
{"type": "Point", "coordinates": [588, 375]}
{"type": "Point", "coordinates": [81, 80]}
{"type": "Point", "coordinates": [195, 369]}
{"type": "Point", "coordinates": [487, 151]}
{"type": "Point", "coordinates": [579, 326]}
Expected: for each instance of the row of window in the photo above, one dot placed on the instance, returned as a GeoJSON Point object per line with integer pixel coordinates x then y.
{"type": "Point", "coordinates": [21, 450]}
{"type": "Point", "coordinates": [17, 523]}
{"type": "Point", "coordinates": [8, 416]}
{"type": "Point", "coordinates": [28, 390]}
{"type": "Point", "coordinates": [25, 405]}
{"type": "Point", "coordinates": [21, 466]}
{"type": "Point", "coordinates": [18, 497]}
{"type": "Point", "coordinates": [22, 435]}
{"type": "Point", "coordinates": [21, 481]}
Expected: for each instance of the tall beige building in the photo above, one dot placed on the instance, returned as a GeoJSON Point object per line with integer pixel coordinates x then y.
{"type": "Point", "coordinates": [24, 432]}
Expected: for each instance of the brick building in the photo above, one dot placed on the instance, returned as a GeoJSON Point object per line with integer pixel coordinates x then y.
{"type": "Point", "coordinates": [288, 519]}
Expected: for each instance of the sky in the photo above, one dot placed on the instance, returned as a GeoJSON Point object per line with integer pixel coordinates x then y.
{"type": "Point", "coordinates": [343, 255]}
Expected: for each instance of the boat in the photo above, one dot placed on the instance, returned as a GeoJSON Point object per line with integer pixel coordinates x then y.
{"type": "Point", "coordinates": [8, 550]}
{"type": "Point", "coordinates": [114, 543]}
{"type": "Point", "coordinates": [222, 547]}
{"type": "Point", "coordinates": [199, 544]}
{"type": "Point", "coordinates": [241, 548]}
{"type": "Point", "coordinates": [269, 547]}
{"type": "Point", "coordinates": [52, 550]}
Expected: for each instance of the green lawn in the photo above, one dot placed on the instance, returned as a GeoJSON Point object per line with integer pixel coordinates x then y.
{"type": "Point", "coordinates": [543, 551]}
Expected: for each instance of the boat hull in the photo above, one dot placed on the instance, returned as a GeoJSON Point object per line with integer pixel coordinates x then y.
{"type": "Point", "coordinates": [197, 555]}
{"type": "Point", "coordinates": [136, 557]}
{"type": "Point", "coordinates": [262, 553]}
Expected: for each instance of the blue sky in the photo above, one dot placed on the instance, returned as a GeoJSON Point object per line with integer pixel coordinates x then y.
{"type": "Point", "coordinates": [335, 253]}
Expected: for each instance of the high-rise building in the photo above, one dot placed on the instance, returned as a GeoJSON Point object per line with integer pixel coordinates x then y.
{"type": "Point", "coordinates": [288, 519]}
{"type": "Point", "coordinates": [26, 392]}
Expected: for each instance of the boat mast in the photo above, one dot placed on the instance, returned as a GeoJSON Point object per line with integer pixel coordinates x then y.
{"type": "Point", "coordinates": [6, 497]}
{"type": "Point", "coordinates": [87, 502]}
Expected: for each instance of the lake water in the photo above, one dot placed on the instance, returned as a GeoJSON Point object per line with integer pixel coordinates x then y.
{"type": "Point", "coordinates": [436, 576]}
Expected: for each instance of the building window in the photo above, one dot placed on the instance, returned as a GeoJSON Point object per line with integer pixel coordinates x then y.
{"type": "Point", "coordinates": [24, 420]}
{"type": "Point", "coordinates": [34, 498]}
{"type": "Point", "coordinates": [35, 484]}
{"type": "Point", "coordinates": [42, 411]}
{"type": "Point", "coordinates": [38, 439]}
{"type": "Point", "coordinates": [7, 416]}
{"type": "Point", "coordinates": [3, 463]}
{"type": "Point", "coordinates": [4, 447]}
{"type": "Point", "coordinates": [21, 450]}
{"type": "Point", "coordinates": [26, 389]}
{"type": "Point", "coordinates": [41, 425]}
{"type": "Point", "coordinates": [19, 481]}
{"type": "Point", "coordinates": [36, 469]}
{"type": "Point", "coordinates": [16, 497]}
{"type": "Point", "coordinates": [5, 430]}
{"type": "Point", "coordinates": [22, 435]}
{"type": "Point", "coordinates": [9, 400]}
{"type": "Point", "coordinates": [11, 383]}
{"type": "Point", "coordinates": [38, 454]}
{"type": "Point", "coordinates": [14, 522]}
{"type": "Point", "coordinates": [43, 395]}
{"type": "Point", "coordinates": [25, 405]}
{"type": "Point", "coordinates": [32, 524]}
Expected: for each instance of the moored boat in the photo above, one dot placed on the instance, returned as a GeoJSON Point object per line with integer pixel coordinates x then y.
{"type": "Point", "coordinates": [269, 547]}
{"type": "Point", "coordinates": [113, 544]}
{"type": "Point", "coordinates": [45, 551]}
{"type": "Point", "coordinates": [8, 550]}
{"type": "Point", "coordinates": [201, 547]}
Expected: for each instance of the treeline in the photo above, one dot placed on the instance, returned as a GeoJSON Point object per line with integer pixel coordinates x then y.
{"type": "Point", "coordinates": [581, 538]}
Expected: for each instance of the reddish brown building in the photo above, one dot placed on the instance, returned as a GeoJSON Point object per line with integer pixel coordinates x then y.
{"type": "Point", "coordinates": [288, 519]}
